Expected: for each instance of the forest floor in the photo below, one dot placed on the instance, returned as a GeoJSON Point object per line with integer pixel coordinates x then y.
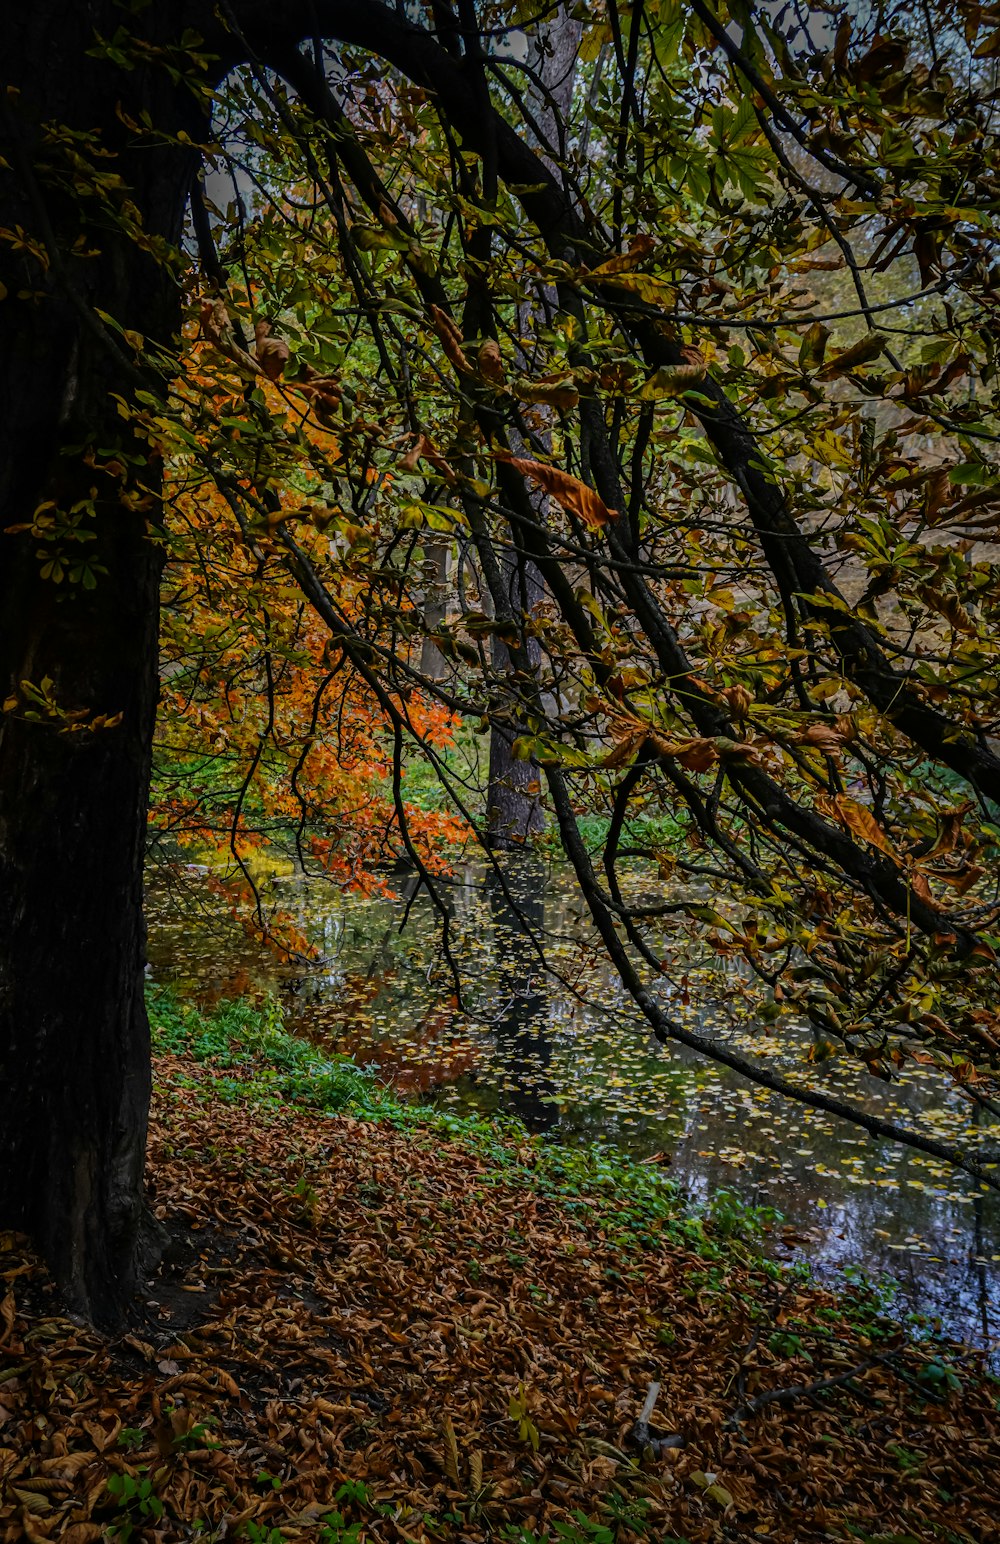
{"type": "Point", "coordinates": [384, 1325]}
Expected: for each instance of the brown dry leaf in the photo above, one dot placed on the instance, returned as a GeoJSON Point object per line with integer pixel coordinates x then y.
{"type": "Point", "coordinates": [570, 492]}
{"type": "Point", "coordinates": [822, 737]}
{"type": "Point", "coordinates": [66, 1466]}
{"type": "Point", "coordinates": [32, 1500]}
{"type": "Point", "coordinates": [272, 353]}
{"type": "Point", "coordinates": [695, 755]}
{"type": "Point", "coordinates": [215, 321]}
{"type": "Point", "coordinates": [7, 1311]}
{"type": "Point", "coordinates": [490, 361]}
{"type": "Point", "coordinates": [451, 340]}
{"type": "Point", "coordinates": [867, 348]}
{"type": "Point", "coordinates": [671, 381]}
{"type": "Point", "coordinates": [886, 55]}
{"type": "Point", "coordinates": [949, 833]}
{"type": "Point", "coordinates": [324, 391]}
{"type": "Point", "coordinates": [450, 1449]}
{"type": "Point", "coordinates": [423, 448]}
{"type": "Point", "coordinates": [738, 699]}
{"type": "Point", "coordinates": [217, 328]}
{"type": "Point", "coordinates": [550, 391]}
{"type": "Point", "coordinates": [350, 1335]}
{"type": "Point", "coordinates": [979, 498]}
{"type": "Point", "coordinates": [624, 749]}
{"type": "Point", "coordinates": [963, 880]}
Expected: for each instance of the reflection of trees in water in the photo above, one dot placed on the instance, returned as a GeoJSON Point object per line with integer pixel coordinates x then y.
{"type": "Point", "coordinates": [520, 1022]}
{"type": "Point", "coordinates": [984, 1209]}
{"type": "Point", "coordinates": [862, 1224]}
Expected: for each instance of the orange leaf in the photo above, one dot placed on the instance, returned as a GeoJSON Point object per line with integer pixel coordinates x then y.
{"type": "Point", "coordinates": [858, 819]}
{"type": "Point", "coordinates": [570, 492]}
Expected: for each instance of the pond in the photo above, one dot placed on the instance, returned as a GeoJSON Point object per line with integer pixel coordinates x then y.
{"type": "Point", "coordinates": [571, 1057]}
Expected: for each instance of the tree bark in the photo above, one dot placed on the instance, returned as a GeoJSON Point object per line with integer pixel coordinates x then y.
{"type": "Point", "coordinates": [437, 554]}
{"type": "Point", "coordinates": [78, 652]}
{"type": "Point", "coordinates": [514, 804]}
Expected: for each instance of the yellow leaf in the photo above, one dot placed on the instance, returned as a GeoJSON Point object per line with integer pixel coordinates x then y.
{"type": "Point", "coordinates": [656, 292]}
{"type": "Point", "coordinates": [640, 249]}
{"type": "Point", "coordinates": [450, 1449]}
{"type": "Point", "coordinates": [671, 381]}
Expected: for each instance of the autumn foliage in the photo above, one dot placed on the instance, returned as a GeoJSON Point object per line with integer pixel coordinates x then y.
{"type": "Point", "coordinates": [269, 747]}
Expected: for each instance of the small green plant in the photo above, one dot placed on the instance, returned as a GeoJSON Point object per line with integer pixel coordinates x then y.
{"type": "Point", "coordinates": [260, 1533]}
{"type": "Point", "coordinates": [784, 1343]}
{"type": "Point", "coordinates": [631, 1515]}
{"type": "Point", "coordinates": [939, 1379]}
{"type": "Point", "coordinates": [907, 1460]}
{"type": "Point", "coordinates": [583, 1530]}
{"type": "Point", "coordinates": [732, 1217]}
{"type": "Point", "coordinates": [336, 1529]}
{"type": "Point", "coordinates": [137, 1502]}
{"type": "Point", "coordinates": [628, 1512]}
{"type": "Point", "coordinates": [131, 1438]}
{"type": "Point", "coordinates": [354, 1490]}
{"type": "Point", "coordinates": [308, 1208]}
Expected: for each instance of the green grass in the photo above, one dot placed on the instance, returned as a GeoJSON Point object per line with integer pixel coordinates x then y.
{"type": "Point", "coordinates": [634, 1205]}
{"type": "Point", "coordinates": [601, 1191]}
{"type": "Point", "coordinates": [276, 1068]}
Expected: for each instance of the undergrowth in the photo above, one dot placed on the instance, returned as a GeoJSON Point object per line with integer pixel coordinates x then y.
{"type": "Point", "coordinates": [629, 1203]}
{"type": "Point", "coordinates": [603, 1193]}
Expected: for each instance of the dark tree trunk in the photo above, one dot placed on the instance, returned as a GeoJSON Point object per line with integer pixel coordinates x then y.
{"type": "Point", "coordinates": [514, 803]}
{"type": "Point", "coordinates": [514, 798]}
{"type": "Point", "coordinates": [74, 1042]}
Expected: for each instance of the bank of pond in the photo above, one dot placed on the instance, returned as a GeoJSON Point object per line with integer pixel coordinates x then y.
{"type": "Point", "coordinates": [571, 1059]}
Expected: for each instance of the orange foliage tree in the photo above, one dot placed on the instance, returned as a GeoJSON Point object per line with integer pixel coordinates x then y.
{"type": "Point", "coordinates": [267, 741]}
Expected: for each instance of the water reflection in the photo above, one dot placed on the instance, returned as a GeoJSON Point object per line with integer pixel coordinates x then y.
{"type": "Point", "coordinates": [516, 899]}
{"type": "Point", "coordinates": [574, 1060]}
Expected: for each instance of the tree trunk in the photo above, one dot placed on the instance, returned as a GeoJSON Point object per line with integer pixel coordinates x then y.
{"type": "Point", "coordinates": [514, 804]}
{"type": "Point", "coordinates": [514, 797]}
{"type": "Point", "coordinates": [78, 645]}
{"type": "Point", "coordinates": [437, 552]}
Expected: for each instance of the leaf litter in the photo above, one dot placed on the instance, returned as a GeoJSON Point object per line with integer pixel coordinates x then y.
{"type": "Point", "coordinates": [367, 1333]}
{"type": "Point", "coordinates": [587, 1069]}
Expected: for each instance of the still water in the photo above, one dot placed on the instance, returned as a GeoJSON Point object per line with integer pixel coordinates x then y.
{"type": "Point", "coordinates": [558, 1044]}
